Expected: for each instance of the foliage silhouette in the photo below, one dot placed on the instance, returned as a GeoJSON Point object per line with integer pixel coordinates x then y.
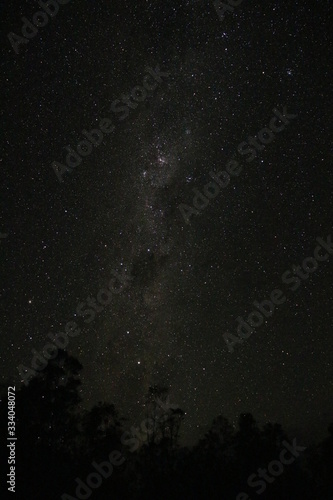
{"type": "Point", "coordinates": [57, 442]}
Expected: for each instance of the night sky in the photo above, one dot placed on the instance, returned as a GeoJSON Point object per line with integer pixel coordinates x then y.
{"type": "Point", "coordinates": [119, 209]}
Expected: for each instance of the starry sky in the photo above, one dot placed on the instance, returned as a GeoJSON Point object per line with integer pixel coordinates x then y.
{"type": "Point", "coordinates": [119, 209]}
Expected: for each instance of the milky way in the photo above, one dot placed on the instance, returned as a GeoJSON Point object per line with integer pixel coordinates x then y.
{"type": "Point", "coordinates": [120, 207]}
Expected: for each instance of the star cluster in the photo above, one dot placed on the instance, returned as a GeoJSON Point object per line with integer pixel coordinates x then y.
{"type": "Point", "coordinates": [120, 206]}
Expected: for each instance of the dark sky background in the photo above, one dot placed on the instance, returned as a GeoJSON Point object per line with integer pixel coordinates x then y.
{"type": "Point", "coordinates": [119, 208]}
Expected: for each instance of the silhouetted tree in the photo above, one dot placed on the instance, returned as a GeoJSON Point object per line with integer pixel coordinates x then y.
{"type": "Point", "coordinates": [57, 442]}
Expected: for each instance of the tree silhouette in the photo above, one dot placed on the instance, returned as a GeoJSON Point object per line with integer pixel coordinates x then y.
{"type": "Point", "coordinates": [57, 442]}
